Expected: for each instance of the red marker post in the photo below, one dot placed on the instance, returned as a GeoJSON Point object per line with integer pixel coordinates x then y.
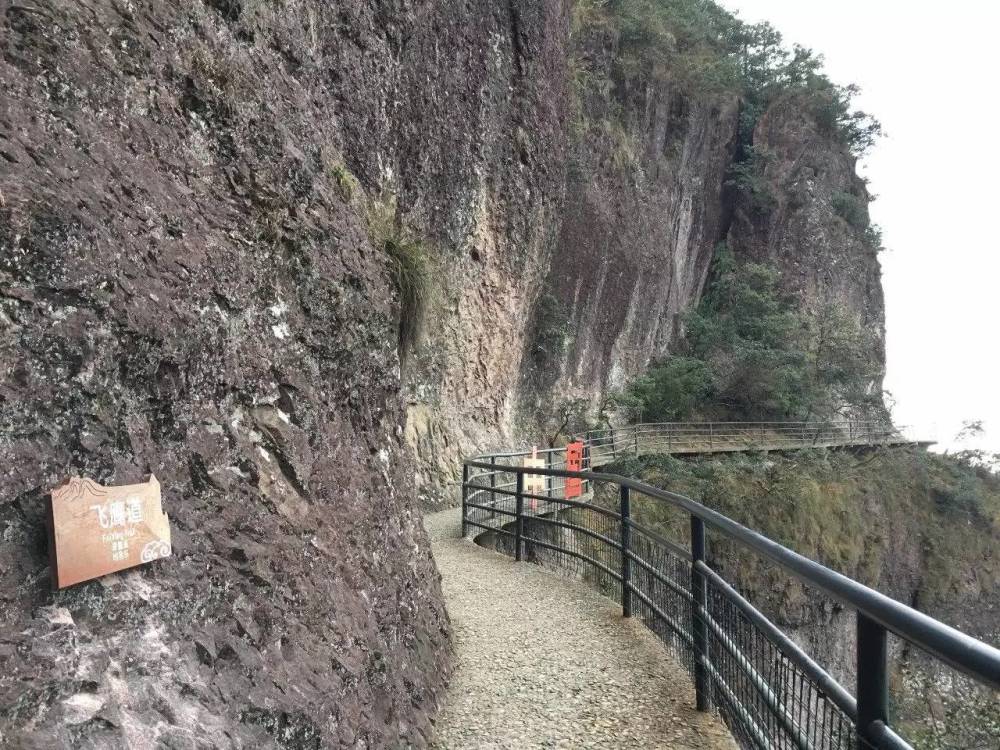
{"type": "Point", "coordinates": [574, 462]}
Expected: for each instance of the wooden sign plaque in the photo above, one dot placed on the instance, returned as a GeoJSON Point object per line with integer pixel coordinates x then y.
{"type": "Point", "coordinates": [98, 530]}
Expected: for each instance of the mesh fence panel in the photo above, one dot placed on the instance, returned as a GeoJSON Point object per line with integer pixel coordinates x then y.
{"type": "Point", "coordinates": [661, 597]}
{"type": "Point", "coordinates": [763, 695]}
{"type": "Point", "coordinates": [767, 699]}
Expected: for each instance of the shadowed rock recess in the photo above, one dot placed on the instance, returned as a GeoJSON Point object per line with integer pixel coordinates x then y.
{"type": "Point", "coordinates": [188, 288]}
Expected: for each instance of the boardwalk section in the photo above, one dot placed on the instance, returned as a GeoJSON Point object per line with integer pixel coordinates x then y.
{"type": "Point", "coordinates": [544, 662]}
{"type": "Point", "coordinates": [691, 438]}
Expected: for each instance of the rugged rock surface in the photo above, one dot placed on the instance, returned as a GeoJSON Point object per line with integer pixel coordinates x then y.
{"type": "Point", "coordinates": [815, 227]}
{"type": "Point", "coordinates": [637, 241]}
{"type": "Point", "coordinates": [486, 191]}
{"type": "Point", "coordinates": [650, 189]}
{"type": "Point", "coordinates": [187, 287]}
{"type": "Point", "coordinates": [634, 249]}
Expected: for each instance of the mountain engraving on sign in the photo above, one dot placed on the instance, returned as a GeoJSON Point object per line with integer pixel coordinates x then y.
{"type": "Point", "coordinates": [98, 530]}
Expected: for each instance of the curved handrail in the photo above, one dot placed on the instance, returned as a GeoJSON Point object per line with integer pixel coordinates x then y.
{"type": "Point", "coordinates": [877, 613]}
{"type": "Point", "coordinates": [965, 653]}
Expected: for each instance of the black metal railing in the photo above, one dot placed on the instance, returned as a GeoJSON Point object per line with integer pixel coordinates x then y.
{"type": "Point", "coordinates": [768, 690]}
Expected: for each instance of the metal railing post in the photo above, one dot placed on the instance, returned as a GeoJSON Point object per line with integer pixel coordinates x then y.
{"type": "Point", "coordinates": [699, 629]}
{"type": "Point", "coordinates": [873, 687]}
{"type": "Point", "coordinates": [493, 486]}
{"type": "Point", "coordinates": [548, 480]}
{"type": "Point", "coordinates": [626, 522]}
{"type": "Point", "coordinates": [635, 439]}
{"type": "Point", "coordinates": [670, 438]}
{"type": "Point", "coordinates": [519, 518]}
{"type": "Point", "coordinates": [465, 499]}
{"type": "Point", "coordinates": [711, 437]}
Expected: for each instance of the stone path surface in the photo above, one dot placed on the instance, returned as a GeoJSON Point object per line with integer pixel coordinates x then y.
{"type": "Point", "coordinates": [544, 662]}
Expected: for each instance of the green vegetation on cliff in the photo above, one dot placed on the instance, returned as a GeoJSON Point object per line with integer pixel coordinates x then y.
{"type": "Point", "coordinates": [766, 341]}
{"type": "Point", "coordinates": [698, 45]}
{"type": "Point", "coordinates": [751, 353]}
{"type": "Point", "coordinates": [410, 265]}
{"type": "Point", "coordinates": [836, 507]}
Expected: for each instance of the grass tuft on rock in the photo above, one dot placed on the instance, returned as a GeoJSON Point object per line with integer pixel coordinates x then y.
{"type": "Point", "coordinates": [410, 264]}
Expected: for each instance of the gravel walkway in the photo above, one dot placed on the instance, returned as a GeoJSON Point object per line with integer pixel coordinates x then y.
{"type": "Point", "coordinates": [543, 662]}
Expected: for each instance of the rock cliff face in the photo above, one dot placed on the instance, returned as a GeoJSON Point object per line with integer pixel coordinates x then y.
{"type": "Point", "coordinates": [599, 290]}
{"type": "Point", "coordinates": [188, 288]}
{"type": "Point", "coordinates": [487, 195]}
{"type": "Point", "coordinates": [634, 248]}
{"type": "Point", "coordinates": [814, 224]}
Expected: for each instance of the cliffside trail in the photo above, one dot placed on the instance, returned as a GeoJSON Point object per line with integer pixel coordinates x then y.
{"type": "Point", "coordinates": [545, 662]}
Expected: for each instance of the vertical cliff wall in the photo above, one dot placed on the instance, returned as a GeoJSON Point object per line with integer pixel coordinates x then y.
{"type": "Point", "coordinates": [487, 195]}
{"type": "Point", "coordinates": [188, 288]}
{"type": "Point", "coordinates": [661, 172]}
{"type": "Point", "coordinates": [577, 212]}
{"type": "Point", "coordinates": [808, 216]}
{"type": "Point", "coordinates": [635, 244]}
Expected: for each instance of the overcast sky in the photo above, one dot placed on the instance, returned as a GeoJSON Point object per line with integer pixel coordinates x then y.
{"type": "Point", "coordinates": [929, 73]}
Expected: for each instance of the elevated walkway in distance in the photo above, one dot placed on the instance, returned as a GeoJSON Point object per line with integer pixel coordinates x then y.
{"type": "Point", "coordinates": [692, 438]}
{"type": "Point", "coordinates": [497, 508]}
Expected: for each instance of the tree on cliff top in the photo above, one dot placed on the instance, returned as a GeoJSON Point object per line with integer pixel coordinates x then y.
{"type": "Point", "coordinates": [700, 46]}
{"type": "Point", "coordinates": [749, 333]}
